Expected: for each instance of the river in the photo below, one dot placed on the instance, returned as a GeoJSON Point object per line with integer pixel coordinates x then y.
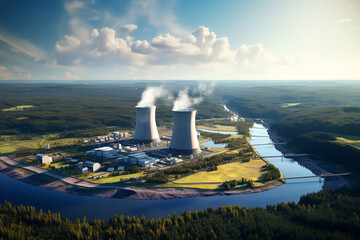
{"type": "Point", "coordinates": [75, 206]}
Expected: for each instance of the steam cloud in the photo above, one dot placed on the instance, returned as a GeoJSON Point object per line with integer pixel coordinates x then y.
{"type": "Point", "coordinates": [151, 94]}
{"type": "Point", "coordinates": [184, 101]}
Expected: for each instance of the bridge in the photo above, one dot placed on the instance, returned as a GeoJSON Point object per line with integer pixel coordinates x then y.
{"type": "Point", "coordinates": [323, 175]}
{"type": "Point", "coordinates": [285, 155]}
{"type": "Point", "coordinates": [263, 144]}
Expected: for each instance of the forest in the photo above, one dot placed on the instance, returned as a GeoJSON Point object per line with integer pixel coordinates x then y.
{"type": "Point", "coordinates": [322, 215]}
{"type": "Point", "coordinates": [315, 131]}
{"type": "Point", "coordinates": [70, 108]}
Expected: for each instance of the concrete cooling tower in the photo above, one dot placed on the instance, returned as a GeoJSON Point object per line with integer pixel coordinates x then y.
{"type": "Point", "coordinates": [184, 139]}
{"type": "Point", "coordinates": [146, 129]}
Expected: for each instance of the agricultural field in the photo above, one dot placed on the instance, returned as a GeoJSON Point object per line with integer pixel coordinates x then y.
{"type": "Point", "coordinates": [212, 179]}
{"type": "Point", "coordinates": [17, 108]}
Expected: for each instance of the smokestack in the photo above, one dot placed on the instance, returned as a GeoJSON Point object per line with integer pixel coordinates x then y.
{"type": "Point", "coordinates": [184, 139]}
{"type": "Point", "coordinates": [146, 129]}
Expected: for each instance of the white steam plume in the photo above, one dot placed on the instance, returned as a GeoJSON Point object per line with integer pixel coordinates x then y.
{"type": "Point", "coordinates": [151, 94]}
{"type": "Point", "coordinates": [184, 101]}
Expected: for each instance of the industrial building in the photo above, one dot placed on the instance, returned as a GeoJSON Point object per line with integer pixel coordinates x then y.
{"type": "Point", "coordinates": [141, 159]}
{"type": "Point", "coordinates": [93, 166]}
{"type": "Point", "coordinates": [146, 129]}
{"type": "Point", "coordinates": [43, 159]}
{"type": "Point", "coordinates": [184, 138]}
{"type": "Point", "coordinates": [103, 152]}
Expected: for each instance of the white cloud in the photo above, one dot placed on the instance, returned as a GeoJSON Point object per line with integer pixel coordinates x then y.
{"type": "Point", "coordinates": [70, 76]}
{"type": "Point", "coordinates": [5, 74]}
{"type": "Point", "coordinates": [18, 69]}
{"type": "Point", "coordinates": [355, 29]}
{"type": "Point", "coordinates": [72, 7]}
{"type": "Point", "coordinates": [201, 49]}
{"type": "Point", "coordinates": [28, 75]}
{"type": "Point", "coordinates": [346, 20]}
{"type": "Point", "coordinates": [129, 28]}
{"type": "Point", "coordinates": [22, 46]}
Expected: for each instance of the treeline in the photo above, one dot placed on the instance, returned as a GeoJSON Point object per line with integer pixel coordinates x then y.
{"type": "Point", "coordinates": [322, 215]}
{"type": "Point", "coordinates": [227, 185]}
{"type": "Point", "coordinates": [159, 177]}
{"type": "Point", "coordinates": [204, 163]}
{"type": "Point", "coordinates": [322, 144]}
{"type": "Point", "coordinates": [339, 120]}
{"type": "Point", "coordinates": [272, 172]}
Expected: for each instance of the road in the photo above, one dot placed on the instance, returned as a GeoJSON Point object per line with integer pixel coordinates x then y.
{"type": "Point", "coordinates": [66, 179]}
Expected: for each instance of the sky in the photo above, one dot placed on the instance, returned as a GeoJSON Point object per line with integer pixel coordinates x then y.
{"type": "Point", "coordinates": [180, 40]}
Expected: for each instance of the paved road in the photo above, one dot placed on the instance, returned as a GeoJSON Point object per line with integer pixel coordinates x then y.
{"type": "Point", "coordinates": [66, 179]}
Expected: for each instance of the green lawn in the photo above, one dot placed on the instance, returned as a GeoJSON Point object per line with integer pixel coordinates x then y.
{"type": "Point", "coordinates": [17, 108]}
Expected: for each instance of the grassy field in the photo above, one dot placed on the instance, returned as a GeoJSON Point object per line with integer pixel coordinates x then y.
{"type": "Point", "coordinates": [352, 142]}
{"type": "Point", "coordinates": [115, 179]}
{"type": "Point", "coordinates": [8, 146]}
{"type": "Point", "coordinates": [17, 108]}
{"type": "Point", "coordinates": [226, 172]}
{"type": "Point", "coordinates": [218, 127]}
{"type": "Point", "coordinates": [285, 105]}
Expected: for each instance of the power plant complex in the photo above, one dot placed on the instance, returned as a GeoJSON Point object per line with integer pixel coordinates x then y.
{"type": "Point", "coordinates": [184, 137]}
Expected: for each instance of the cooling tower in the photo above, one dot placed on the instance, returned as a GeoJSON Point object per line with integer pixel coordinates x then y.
{"type": "Point", "coordinates": [184, 139]}
{"type": "Point", "coordinates": [146, 130]}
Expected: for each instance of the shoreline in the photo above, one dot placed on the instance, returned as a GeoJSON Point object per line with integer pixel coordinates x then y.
{"type": "Point", "coordinates": [315, 167]}
{"type": "Point", "coordinates": [130, 192]}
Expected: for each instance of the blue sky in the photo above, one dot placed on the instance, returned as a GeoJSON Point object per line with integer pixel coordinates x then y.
{"type": "Point", "coordinates": [172, 39]}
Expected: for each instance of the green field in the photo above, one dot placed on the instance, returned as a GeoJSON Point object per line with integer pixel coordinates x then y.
{"type": "Point", "coordinates": [17, 108]}
{"type": "Point", "coordinates": [352, 142]}
{"type": "Point", "coordinates": [226, 172]}
{"type": "Point", "coordinates": [8, 146]}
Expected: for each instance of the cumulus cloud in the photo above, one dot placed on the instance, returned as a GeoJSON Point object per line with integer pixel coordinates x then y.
{"type": "Point", "coordinates": [5, 74]}
{"type": "Point", "coordinates": [202, 47]}
{"type": "Point", "coordinates": [129, 28]}
{"type": "Point", "coordinates": [151, 94]}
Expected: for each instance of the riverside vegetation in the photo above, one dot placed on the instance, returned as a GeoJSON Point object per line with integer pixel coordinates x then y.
{"type": "Point", "coordinates": [322, 215]}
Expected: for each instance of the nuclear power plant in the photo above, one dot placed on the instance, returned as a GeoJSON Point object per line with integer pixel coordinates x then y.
{"type": "Point", "coordinates": [146, 129]}
{"type": "Point", "coordinates": [184, 138]}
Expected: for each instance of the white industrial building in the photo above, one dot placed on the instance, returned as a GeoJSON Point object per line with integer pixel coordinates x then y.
{"type": "Point", "coordinates": [44, 159]}
{"type": "Point", "coordinates": [104, 152]}
{"type": "Point", "coordinates": [146, 129]}
{"type": "Point", "coordinates": [93, 166]}
{"type": "Point", "coordinates": [184, 137]}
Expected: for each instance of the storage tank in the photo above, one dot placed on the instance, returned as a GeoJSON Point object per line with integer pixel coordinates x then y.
{"type": "Point", "coordinates": [146, 129]}
{"type": "Point", "coordinates": [184, 139]}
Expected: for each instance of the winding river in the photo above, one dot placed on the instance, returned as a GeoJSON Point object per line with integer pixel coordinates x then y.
{"type": "Point", "coordinates": [75, 206]}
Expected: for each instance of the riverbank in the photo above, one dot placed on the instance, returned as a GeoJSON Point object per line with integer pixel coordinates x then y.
{"type": "Point", "coordinates": [314, 166]}
{"type": "Point", "coordinates": [56, 182]}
